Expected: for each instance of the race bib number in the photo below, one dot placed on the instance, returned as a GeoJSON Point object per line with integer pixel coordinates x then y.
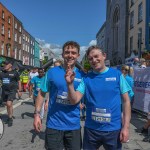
{"type": "Point", "coordinates": [101, 115]}
{"type": "Point", "coordinates": [63, 99]}
{"type": "Point", "coordinates": [6, 80]}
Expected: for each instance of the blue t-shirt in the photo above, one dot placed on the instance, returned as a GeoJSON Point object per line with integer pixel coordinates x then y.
{"type": "Point", "coordinates": [37, 83]}
{"type": "Point", "coordinates": [103, 99]}
{"type": "Point", "coordinates": [61, 114]}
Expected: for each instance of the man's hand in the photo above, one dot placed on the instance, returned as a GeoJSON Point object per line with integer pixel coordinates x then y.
{"type": "Point", "coordinates": [37, 123]}
{"type": "Point", "coordinates": [82, 105]}
{"type": "Point", "coordinates": [69, 75]}
{"type": "Point", "coordinates": [124, 135]}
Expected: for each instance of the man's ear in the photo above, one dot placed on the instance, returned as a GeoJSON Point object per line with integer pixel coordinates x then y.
{"type": "Point", "coordinates": [105, 55]}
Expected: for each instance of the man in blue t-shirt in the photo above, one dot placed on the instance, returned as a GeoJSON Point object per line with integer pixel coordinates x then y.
{"type": "Point", "coordinates": [102, 88]}
{"type": "Point", "coordinates": [63, 119]}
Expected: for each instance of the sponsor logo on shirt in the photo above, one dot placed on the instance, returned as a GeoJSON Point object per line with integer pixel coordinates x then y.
{"type": "Point", "coordinates": [77, 79]}
{"type": "Point", "coordinates": [110, 79]}
{"type": "Point", "coordinates": [11, 75]}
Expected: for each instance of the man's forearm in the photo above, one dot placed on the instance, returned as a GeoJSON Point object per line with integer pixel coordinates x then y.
{"type": "Point", "coordinates": [126, 113]}
{"type": "Point", "coordinates": [39, 100]}
{"type": "Point", "coordinates": [19, 86]}
{"type": "Point", "coordinates": [72, 94]}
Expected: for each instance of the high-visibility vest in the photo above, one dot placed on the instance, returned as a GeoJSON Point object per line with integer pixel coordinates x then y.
{"type": "Point", "coordinates": [24, 77]}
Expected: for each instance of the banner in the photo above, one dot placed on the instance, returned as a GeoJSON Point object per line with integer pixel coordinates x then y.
{"type": "Point", "coordinates": [142, 89]}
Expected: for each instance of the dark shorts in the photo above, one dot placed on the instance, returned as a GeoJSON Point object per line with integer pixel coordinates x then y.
{"type": "Point", "coordinates": [8, 96]}
{"type": "Point", "coordinates": [58, 139]}
{"type": "Point", "coordinates": [93, 139]}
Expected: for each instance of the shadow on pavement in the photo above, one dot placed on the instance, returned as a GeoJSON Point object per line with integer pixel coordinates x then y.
{"type": "Point", "coordinates": [138, 120]}
{"type": "Point", "coordinates": [41, 135]}
{"type": "Point", "coordinates": [28, 114]}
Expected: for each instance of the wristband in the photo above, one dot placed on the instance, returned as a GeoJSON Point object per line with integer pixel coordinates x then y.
{"type": "Point", "coordinates": [36, 112]}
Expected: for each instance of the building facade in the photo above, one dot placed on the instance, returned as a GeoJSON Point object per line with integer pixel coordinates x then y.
{"type": "Point", "coordinates": [31, 51]}
{"type": "Point", "coordinates": [36, 54]}
{"type": "Point", "coordinates": [17, 39]}
{"type": "Point", "coordinates": [26, 47]}
{"type": "Point", "coordinates": [139, 27]}
{"type": "Point", "coordinates": [100, 37]}
{"type": "Point", "coordinates": [6, 33]}
{"type": "Point", "coordinates": [116, 39]}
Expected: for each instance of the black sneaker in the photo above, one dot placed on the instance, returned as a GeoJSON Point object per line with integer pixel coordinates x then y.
{"type": "Point", "coordinates": [142, 130]}
{"type": "Point", "coordinates": [10, 122]}
{"type": "Point", "coordinates": [146, 139]}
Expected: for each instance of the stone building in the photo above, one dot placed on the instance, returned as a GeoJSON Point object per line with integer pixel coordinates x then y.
{"type": "Point", "coordinates": [116, 38]}
{"type": "Point", "coordinates": [100, 37]}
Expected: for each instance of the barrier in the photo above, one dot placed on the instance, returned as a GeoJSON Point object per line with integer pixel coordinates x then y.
{"type": "Point", "coordinates": [142, 89]}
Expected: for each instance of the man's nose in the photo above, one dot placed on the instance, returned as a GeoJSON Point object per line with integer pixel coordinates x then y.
{"type": "Point", "coordinates": [70, 54]}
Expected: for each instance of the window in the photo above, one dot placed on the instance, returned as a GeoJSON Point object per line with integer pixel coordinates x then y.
{"type": "Point", "coordinates": [132, 19]}
{"type": "Point", "coordinates": [9, 20]}
{"type": "Point", "coordinates": [15, 25]}
{"type": "Point", "coordinates": [140, 12]}
{"type": "Point", "coordinates": [3, 29]}
{"type": "Point", "coordinates": [8, 51]}
{"type": "Point", "coordinates": [15, 53]}
{"type": "Point", "coordinates": [31, 62]}
{"type": "Point", "coordinates": [131, 43]}
{"type": "Point", "coordinates": [132, 3]}
{"type": "Point", "coordinates": [23, 36]}
{"type": "Point", "coordinates": [2, 48]}
{"type": "Point", "coordinates": [20, 54]}
{"type": "Point", "coordinates": [139, 38]}
{"type": "Point", "coordinates": [8, 33]}
{"type": "Point", "coordinates": [33, 51]}
{"type": "Point", "coordinates": [3, 15]}
{"type": "Point", "coordinates": [28, 48]}
{"type": "Point", "coordinates": [20, 29]}
{"type": "Point", "coordinates": [20, 40]}
{"type": "Point", "coordinates": [23, 46]}
{"type": "Point", "coordinates": [15, 37]}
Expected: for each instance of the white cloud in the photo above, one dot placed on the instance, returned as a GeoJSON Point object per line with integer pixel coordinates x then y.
{"type": "Point", "coordinates": [93, 42]}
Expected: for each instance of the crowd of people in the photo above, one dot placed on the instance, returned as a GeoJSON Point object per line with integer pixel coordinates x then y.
{"type": "Point", "coordinates": [106, 94]}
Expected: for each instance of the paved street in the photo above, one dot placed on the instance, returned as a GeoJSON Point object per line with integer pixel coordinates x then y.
{"type": "Point", "coordinates": [21, 135]}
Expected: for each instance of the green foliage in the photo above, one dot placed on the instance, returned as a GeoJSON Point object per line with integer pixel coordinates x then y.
{"type": "Point", "coordinates": [87, 65]}
{"type": "Point", "coordinates": [45, 60]}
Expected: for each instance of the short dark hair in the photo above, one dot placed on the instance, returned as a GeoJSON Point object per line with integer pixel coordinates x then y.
{"type": "Point", "coordinates": [93, 47]}
{"type": "Point", "coordinates": [71, 44]}
{"type": "Point", "coordinates": [39, 69]}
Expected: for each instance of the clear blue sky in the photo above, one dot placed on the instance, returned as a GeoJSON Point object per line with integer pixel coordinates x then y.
{"type": "Point", "coordinates": [57, 21]}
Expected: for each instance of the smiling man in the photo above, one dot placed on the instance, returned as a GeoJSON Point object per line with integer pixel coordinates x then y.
{"type": "Point", "coordinates": [102, 88]}
{"type": "Point", "coordinates": [63, 119]}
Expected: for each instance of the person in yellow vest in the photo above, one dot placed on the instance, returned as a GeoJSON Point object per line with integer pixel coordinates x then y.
{"type": "Point", "coordinates": [24, 78]}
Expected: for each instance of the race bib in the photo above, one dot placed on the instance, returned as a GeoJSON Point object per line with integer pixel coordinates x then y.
{"type": "Point", "coordinates": [62, 98]}
{"type": "Point", "coordinates": [101, 115]}
{"type": "Point", "coordinates": [6, 80]}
